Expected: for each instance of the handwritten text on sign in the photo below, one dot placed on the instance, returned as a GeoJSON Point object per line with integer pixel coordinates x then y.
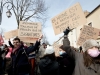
{"type": "Point", "coordinates": [71, 17]}
{"type": "Point", "coordinates": [28, 29]}
{"type": "Point", "coordinates": [87, 32]}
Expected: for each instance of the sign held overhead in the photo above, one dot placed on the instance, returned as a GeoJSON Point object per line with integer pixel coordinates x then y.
{"type": "Point", "coordinates": [72, 17]}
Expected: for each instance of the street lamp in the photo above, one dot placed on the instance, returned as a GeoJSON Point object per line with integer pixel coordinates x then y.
{"type": "Point", "coordinates": [8, 13]}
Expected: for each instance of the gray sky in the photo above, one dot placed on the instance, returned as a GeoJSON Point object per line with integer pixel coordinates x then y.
{"type": "Point", "coordinates": [55, 7]}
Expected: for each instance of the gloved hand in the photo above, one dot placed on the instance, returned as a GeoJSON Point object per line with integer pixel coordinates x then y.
{"type": "Point", "coordinates": [67, 31]}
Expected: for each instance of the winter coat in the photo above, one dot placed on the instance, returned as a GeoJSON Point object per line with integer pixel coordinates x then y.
{"type": "Point", "coordinates": [66, 64]}
{"type": "Point", "coordinates": [20, 63]}
{"type": "Point", "coordinates": [41, 51]}
{"type": "Point", "coordinates": [80, 68]}
{"type": "Point", "coordinates": [32, 54]}
{"type": "Point", "coordinates": [48, 67]}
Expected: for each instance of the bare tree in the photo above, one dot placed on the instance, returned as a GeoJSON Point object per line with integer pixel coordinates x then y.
{"type": "Point", "coordinates": [28, 10]}
{"type": "Point", "coordinates": [45, 39]}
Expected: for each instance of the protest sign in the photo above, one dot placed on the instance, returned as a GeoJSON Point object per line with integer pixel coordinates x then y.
{"type": "Point", "coordinates": [57, 48]}
{"type": "Point", "coordinates": [14, 33]}
{"type": "Point", "coordinates": [72, 17]}
{"type": "Point", "coordinates": [87, 32]}
{"type": "Point", "coordinates": [28, 39]}
{"type": "Point", "coordinates": [11, 34]}
{"type": "Point", "coordinates": [29, 29]}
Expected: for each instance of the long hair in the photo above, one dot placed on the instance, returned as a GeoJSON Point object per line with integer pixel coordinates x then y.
{"type": "Point", "coordinates": [88, 60]}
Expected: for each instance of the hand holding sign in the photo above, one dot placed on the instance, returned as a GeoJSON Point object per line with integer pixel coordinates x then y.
{"type": "Point", "coordinates": [40, 37]}
{"type": "Point", "coordinates": [67, 31]}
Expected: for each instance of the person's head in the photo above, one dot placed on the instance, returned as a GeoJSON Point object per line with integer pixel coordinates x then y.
{"type": "Point", "coordinates": [31, 44]}
{"type": "Point", "coordinates": [44, 45]}
{"type": "Point", "coordinates": [90, 52]}
{"type": "Point", "coordinates": [16, 42]}
{"type": "Point", "coordinates": [80, 49]}
{"type": "Point", "coordinates": [50, 52]}
{"type": "Point", "coordinates": [6, 47]}
{"type": "Point", "coordinates": [61, 51]}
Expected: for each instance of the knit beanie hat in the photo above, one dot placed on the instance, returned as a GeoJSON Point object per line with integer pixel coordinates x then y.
{"type": "Point", "coordinates": [49, 50]}
{"type": "Point", "coordinates": [89, 44]}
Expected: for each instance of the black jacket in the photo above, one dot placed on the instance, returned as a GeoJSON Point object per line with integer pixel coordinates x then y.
{"type": "Point", "coordinates": [48, 67]}
{"type": "Point", "coordinates": [66, 64]}
{"type": "Point", "coordinates": [20, 63]}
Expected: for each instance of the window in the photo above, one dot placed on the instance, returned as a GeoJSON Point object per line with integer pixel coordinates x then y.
{"type": "Point", "coordinates": [90, 24]}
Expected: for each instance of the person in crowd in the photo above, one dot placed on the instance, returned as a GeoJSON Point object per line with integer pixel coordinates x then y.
{"type": "Point", "coordinates": [66, 63]}
{"type": "Point", "coordinates": [39, 55]}
{"type": "Point", "coordinates": [8, 51]}
{"type": "Point", "coordinates": [42, 50]}
{"type": "Point", "coordinates": [48, 64]}
{"type": "Point", "coordinates": [80, 48]}
{"type": "Point", "coordinates": [3, 53]}
{"type": "Point", "coordinates": [0, 61]}
{"type": "Point", "coordinates": [88, 62]}
{"type": "Point", "coordinates": [20, 63]}
{"type": "Point", "coordinates": [31, 57]}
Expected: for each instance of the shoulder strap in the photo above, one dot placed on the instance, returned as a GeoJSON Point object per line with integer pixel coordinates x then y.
{"type": "Point", "coordinates": [25, 52]}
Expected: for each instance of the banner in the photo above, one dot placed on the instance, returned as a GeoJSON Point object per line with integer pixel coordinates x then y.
{"type": "Point", "coordinates": [87, 32]}
{"type": "Point", "coordinates": [29, 29]}
{"type": "Point", "coordinates": [72, 17]}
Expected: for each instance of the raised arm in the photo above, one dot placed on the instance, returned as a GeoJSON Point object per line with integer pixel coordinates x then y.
{"type": "Point", "coordinates": [10, 44]}
{"type": "Point", "coordinates": [66, 44]}
{"type": "Point", "coordinates": [36, 45]}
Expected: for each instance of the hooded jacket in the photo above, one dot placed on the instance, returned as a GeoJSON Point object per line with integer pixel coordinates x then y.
{"type": "Point", "coordinates": [48, 67]}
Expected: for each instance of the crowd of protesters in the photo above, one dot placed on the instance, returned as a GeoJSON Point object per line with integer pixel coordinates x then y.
{"type": "Point", "coordinates": [40, 59]}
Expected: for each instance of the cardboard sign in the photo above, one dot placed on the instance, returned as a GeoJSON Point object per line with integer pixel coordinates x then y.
{"type": "Point", "coordinates": [11, 34]}
{"type": "Point", "coordinates": [71, 17]}
{"type": "Point", "coordinates": [87, 32]}
{"type": "Point", "coordinates": [57, 49]}
{"type": "Point", "coordinates": [29, 29]}
{"type": "Point", "coordinates": [28, 39]}
{"type": "Point", "coordinates": [14, 33]}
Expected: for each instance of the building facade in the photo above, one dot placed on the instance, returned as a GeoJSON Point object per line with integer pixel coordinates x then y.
{"type": "Point", "coordinates": [93, 19]}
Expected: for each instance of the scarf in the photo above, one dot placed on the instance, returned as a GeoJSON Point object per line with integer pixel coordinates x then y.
{"type": "Point", "coordinates": [15, 49]}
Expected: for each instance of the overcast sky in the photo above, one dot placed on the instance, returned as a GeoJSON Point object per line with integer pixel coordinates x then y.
{"type": "Point", "coordinates": [55, 7]}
